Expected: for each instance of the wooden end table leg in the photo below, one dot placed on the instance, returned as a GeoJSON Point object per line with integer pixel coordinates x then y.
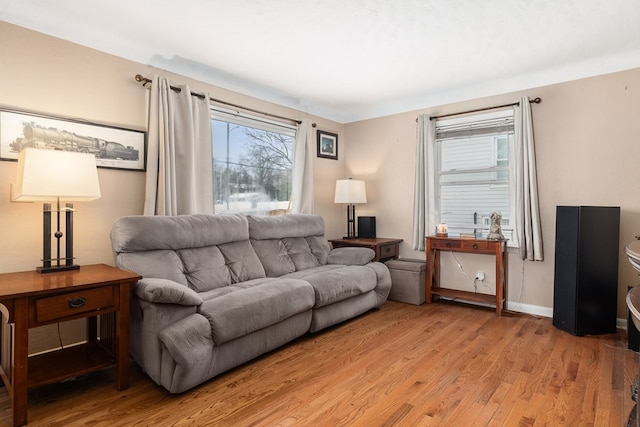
{"type": "Point", "coordinates": [20, 362]}
{"type": "Point", "coordinates": [121, 340]}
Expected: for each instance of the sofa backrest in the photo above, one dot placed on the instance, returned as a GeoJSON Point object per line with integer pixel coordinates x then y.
{"type": "Point", "coordinates": [288, 243]}
{"type": "Point", "coordinates": [200, 251]}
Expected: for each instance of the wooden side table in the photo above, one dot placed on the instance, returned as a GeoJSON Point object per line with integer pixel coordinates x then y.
{"type": "Point", "coordinates": [385, 249]}
{"type": "Point", "coordinates": [498, 248]}
{"type": "Point", "coordinates": [29, 299]}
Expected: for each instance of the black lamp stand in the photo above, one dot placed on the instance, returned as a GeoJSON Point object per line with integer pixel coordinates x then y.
{"type": "Point", "coordinates": [49, 264]}
{"type": "Point", "coordinates": [351, 222]}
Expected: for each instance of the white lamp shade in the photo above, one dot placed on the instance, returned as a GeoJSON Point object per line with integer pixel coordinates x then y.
{"type": "Point", "coordinates": [350, 191]}
{"type": "Point", "coordinates": [51, 174]}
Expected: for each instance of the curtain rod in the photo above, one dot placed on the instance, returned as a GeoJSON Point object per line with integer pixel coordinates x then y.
{"type": "Point", "coordinates": [141, 79]}
{"type": "Point", "coordinates": [477, 110]}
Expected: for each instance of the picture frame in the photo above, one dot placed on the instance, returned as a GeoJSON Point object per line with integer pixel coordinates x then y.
{"type": "Point", "coordinates": [114, 147]}
{"type": "Point", "coordinates": [327, 145]}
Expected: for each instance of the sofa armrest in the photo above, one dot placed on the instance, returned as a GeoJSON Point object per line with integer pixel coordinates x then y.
{"type": "Point", "coordinates": [166, 291]}
{"type": "Point", "coordinates": [351, 256]}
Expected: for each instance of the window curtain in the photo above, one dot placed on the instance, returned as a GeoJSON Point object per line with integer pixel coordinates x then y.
{"type": "Point", "coordinates": [424, 187]}
{"type": "Point", "coordinates": [528, 228]}
{"type": "Point", "coordinates": [302, 191]}
{"type": "Point", "coordinates": [179, 154]}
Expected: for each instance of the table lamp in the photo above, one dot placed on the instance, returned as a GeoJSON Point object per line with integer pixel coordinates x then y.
{"type": "Point", "coordinates": [53, 175]}
{"type": "Point", "coordinates": [350, 191]}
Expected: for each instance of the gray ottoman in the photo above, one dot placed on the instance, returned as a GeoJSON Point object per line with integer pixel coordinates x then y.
{"type": "Point", "coordinates": [407, 280]}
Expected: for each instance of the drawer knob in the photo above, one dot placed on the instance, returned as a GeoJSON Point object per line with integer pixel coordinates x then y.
{"type": "Point", "coordinates": [448, 244]}
{"type": "Point", "coordinates": [77, 302]}
{"type": "Point", "coordinates": [387, 249]}
{"type": "Point", "coordinates": [475, 246]}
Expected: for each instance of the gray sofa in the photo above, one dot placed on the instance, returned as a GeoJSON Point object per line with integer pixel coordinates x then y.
{"type": "Point", "coordinates": [220, 290]}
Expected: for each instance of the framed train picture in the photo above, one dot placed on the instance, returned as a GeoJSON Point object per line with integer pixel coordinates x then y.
{"type": "Point", "coordinates": [114, 147]}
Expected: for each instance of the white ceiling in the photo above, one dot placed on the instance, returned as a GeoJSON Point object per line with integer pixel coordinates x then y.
{"type": "Point", "coordinates": [348, 60]}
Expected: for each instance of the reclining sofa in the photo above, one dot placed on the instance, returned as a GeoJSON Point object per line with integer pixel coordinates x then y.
{"type": "Point", "coordinates": [220, 290]}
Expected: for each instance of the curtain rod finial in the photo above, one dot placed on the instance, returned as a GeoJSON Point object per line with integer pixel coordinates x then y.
{"type": "Point", "coordinates": [140, 78]}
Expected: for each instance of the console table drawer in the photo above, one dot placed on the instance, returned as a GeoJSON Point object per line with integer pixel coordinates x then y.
{"type": "Point", "coordinates": [477, 245]}
{"type": "Point", "coordinates": [445, 244]}
{"type": "Point", "coordinates": [61, 306]}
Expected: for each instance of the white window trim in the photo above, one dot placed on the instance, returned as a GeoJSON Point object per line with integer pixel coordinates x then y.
{"type": "Point", "coordinates": [468, 120]}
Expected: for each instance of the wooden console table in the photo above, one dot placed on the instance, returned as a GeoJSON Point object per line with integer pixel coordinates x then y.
{"type": "Point", "coordinates": [29, 299]}
{"type": "Point", "coordinates": [498, 248]}
{"type": "Point", "coordinates": [385, 249]}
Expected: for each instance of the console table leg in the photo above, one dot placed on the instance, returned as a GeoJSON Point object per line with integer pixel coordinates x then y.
{"type": "Point", "coordinates": [430, 271]}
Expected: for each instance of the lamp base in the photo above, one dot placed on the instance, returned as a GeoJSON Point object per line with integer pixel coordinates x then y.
{"type": "Point", "coordinates": [47, 259]}
{"type": "Point", "coordinates": [349, 237]}
{"type": "Point", "coordinates": [55, 268]}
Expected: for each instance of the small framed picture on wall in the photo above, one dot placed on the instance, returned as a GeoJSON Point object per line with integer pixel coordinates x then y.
{"type": "Point", "coordinates": [327, 145]}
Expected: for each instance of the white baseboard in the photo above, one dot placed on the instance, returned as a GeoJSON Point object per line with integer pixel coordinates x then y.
{"type": "Point", "coordinates": [621, 324]}
{"type": "Point", "coordinates": [535, 310]}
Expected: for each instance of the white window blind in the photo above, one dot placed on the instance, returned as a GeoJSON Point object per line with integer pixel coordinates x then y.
{"type": "Point", "coordinates": [252, 121]}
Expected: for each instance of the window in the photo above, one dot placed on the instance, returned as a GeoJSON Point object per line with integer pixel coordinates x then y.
{"type": "Point", "coordinates": [252, 163]}
{"type": "Point", "coordinates": [473, 172]}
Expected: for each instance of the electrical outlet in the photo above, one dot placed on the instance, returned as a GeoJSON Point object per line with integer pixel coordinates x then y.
{"type": "Point", "coordinates": [480, 275]}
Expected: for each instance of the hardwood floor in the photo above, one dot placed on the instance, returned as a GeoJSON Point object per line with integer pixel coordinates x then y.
{"type": "Point", "coordinates": [432, 365]}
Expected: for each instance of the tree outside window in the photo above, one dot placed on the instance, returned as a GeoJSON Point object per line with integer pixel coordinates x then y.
{"type": "Point", "coordinates": [252, 167]}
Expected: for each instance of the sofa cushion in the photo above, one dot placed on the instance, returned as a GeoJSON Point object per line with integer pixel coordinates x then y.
{"type": "Point", "coordinates": [300, 253]}
{"type": "Point", "coordinates": [242, 261]}
{"type": "Point", "coordinates": [258, 305]}
{"type": "Point", "coordinates": [274, 257]}
{"type": "Point", "coordinates": [333, 283]}
{"type": "Point", "coordinates": [320, 247]}
{"type": "Point", "coordinates": [162, 264]}
{"type": "Point", "coordinates": [217, 292]}
{"type": "Point", "coordinates": [201, 251]}
{"type": "Point", "coordinates": [302, 237]}
{"type": "Point", "coordinates": [143, 233]}
{"type": "Point", "coordinates": [205, 268]}
{"type": "Point", "coordinates": [276, 227]}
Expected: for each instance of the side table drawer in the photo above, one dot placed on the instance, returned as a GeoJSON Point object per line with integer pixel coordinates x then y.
{"type": "Point", "coordinates": [388, 251]}
{"type": "Point", "coordinates": [61, 306]}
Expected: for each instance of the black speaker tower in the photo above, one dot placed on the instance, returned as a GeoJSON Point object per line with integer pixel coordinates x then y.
{"type": "Point", "coordinates": [586, 269]}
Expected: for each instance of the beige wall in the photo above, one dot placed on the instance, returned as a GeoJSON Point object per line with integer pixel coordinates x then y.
{"type": "Point", "coordinates": [588, 153]}
{"type": "Point", "coordinates": [46, 75]}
